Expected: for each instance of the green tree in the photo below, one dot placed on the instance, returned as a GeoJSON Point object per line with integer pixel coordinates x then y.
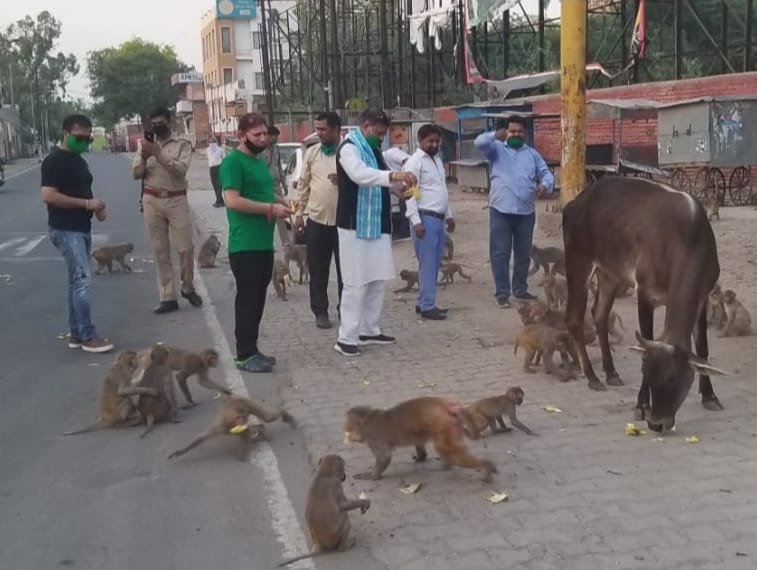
{"type": "Point", "coordinates": [132, 79]}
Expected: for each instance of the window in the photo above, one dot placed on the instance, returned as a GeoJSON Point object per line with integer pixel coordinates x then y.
{"type": "Point", "coordinates": [259, 81]}
{"type": "Point", "coordinates": [255, 40]}
{"type": "Point", "coordinates": [227, 75]}
{"type": "Point", "coordinates": [226, 40]}
{"type": "Point", "coordinates": [212, 43]}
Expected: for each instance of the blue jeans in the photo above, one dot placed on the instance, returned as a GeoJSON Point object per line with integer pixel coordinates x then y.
{"type": "Point", "coordinates": [75, 248]}
{"type": "Point", "coordinates": [510, 232]}
{"type": "Point", "coordinates": [428, 251]}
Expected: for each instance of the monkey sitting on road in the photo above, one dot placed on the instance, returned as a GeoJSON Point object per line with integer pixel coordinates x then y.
{"type": "Point", "coordinates": [411, 280]}
{"type": "Point", "coordinates": [556, 291]}
{"type": "Point", "coordinates": [298, 254]}
{"type": "Point", "coordinates": [281, 277]}
{"type": "Point", "coordinates": [738, 321]}
{"type": "Point", "coordinates": [543, 256]}
{"type": "Point", "coordinates": [541, 341]}
{"type": "Point", "coordinates": [115, 408]}
{"type": "Point", "coordinates": [412, 423]}
{"type": "Point", "coordinates": [715, 309]}
{"type": "Point", "coordinates": [158, 407]}
{"type": "Point", "coordinates": [326, 509]}
{"type": "Point", "coordinates": [206, 259]}
{"type": "Point", "coordinates": [449, 248]}
{"type": "Point", "coordinates": [448, 270]}
{"type": "Point", "coordinates": [489, 412]}
{"type": "Point", "coordinates": [235, 411]}
{"type": "Point", "coordinates": [107, 254]}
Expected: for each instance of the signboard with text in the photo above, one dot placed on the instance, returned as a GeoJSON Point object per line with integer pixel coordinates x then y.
{"type": "Point", "coordinates": [236, 9]}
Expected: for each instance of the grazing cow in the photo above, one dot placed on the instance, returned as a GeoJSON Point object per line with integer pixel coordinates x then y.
{"type": "Point", "coordinates": [644, 232]}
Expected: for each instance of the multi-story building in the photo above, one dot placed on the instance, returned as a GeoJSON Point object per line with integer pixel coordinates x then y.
{"type": "Point", "coordinates": [191, 110]}
{"type": "Point", "coordinates": [232, 60]}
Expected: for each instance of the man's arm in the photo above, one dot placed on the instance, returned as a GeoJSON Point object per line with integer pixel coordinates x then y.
{"type": "Point", "coordinates": [544, 175]}
{"type": "Point", "coordinates": [179, 165]}
{"type": "Point", "coordinates": [486, 143]}
{"type": "Point", "coordinates": [412, 164]}
{"type": "Point", "coordinates": [303, 184]}
{"type": "Point", "coordinates": [138, 166]}
{"type": "Point", "coordinates": [359, 173]}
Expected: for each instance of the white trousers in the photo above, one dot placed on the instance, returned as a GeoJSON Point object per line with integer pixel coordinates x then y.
{"type": "Point", "coordinates": [360, 310]}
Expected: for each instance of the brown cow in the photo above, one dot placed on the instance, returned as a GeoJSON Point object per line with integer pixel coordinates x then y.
{"type": "Point", "coordinates": [651, 234]}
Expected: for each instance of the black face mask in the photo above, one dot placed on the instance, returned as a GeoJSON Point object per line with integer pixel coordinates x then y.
{"type": "Point", "coordinates": [161, 131]}
{"type": "Point", "coordinates": [432, 152]}
{"type": "Point", "coordinates": [253, 148]}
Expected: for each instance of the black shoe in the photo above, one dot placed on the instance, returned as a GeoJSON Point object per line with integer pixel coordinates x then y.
{"type": "Point", "coordinates": [166, 307]}
{"type": "Point", "coordinates": [503, 302]}
{"type": "Point", "coordinates": [194, 299]}
{"type": "Point", "coordinates": [377, 339]}
{"type": "Point", "coordinates": [525, 297]}
{"type": "Point", "coordinates": [434, 315]}
{"type": "Point", "coordinates": [418, 310]}
{"type": "Point", "coordinates": [218, 204]}
{"type": "Point", "coordinates": [347, 349]}
{"type": "Point", "coordinates": [322, 321]}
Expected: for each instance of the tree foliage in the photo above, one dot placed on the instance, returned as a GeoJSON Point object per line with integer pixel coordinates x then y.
{"type": "Point", "coordinates": [132, 79]}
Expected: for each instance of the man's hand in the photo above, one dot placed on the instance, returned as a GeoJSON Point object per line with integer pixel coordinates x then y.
{"type": "Point", "coordinates": [406, 178]}
{"type": "Point", "coordinates": [150, 149]}
{"type": "Point", "coordinates": [95, 205]}
{"type": "Point", "coordinates": [540, 191]}
{"type": "Point", "coordinates": [101, 214]}
{"type": "Point", "coordinates": [281, 211]}
{"type": "Point", "coordinates": [420, 231]}
{"type": "Point", "coordinates": [450, 225]}
{"type": "Point", "coordinates": [299, 223]}
{"type": "Point", "coordinates": [501, 134]}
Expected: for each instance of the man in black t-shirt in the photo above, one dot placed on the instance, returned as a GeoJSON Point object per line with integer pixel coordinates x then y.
{"type": "Point", "coordinates": [67, 191]}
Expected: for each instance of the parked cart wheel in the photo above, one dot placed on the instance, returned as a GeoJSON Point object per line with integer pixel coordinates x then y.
{"type": "Point", "coordinates": [740, 186]}
{"type": "Point", "coordinates": [709, 183]}
{"type": "Point", "coordinates": [679, 179]}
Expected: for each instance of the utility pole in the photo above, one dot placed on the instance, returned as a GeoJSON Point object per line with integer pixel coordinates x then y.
{"type": "Point", "coordinates": [385, 80]}
{"type": "Point", "coordinates": [573, 97]}
{"type": "Point", "coordinates": [266, 64]}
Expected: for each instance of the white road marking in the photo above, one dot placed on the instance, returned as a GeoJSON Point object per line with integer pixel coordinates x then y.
{"type": "Point", "coordinates": [285, 523]}
{"type": "Point", "coordinates": [11, 243]}
{"type": "Point", "coordinates": [30, 244]}
{"type": "Point", "coordinates": [12, 176]}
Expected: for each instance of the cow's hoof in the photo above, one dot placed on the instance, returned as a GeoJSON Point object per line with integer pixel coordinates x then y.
{"type": "Point", "coordinates": [614, 380]}
{"type": "Point", "coordinates": [597, 385]}
{"type": "Point", "coordinates": [712, 404]}
{"type": "Point", "coordinates": [641, 413]}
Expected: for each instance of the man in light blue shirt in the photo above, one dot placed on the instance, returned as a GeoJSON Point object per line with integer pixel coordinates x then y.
{"type": "Point", "coordinates": [518, 176]}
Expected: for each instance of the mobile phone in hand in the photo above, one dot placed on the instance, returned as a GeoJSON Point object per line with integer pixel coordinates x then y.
{"type": "Point", "coordinates": [150, 136]}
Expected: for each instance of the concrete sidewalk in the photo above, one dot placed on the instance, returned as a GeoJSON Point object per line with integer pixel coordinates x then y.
{"type": "Point", "coordinates": [19, 166]}
{"type": "Point", "coordinates": [583, 495]}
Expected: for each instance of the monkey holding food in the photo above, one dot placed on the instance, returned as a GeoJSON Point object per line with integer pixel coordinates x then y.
{"type": "Point", "coordinates": [542, 341]}
{"type": "Point", "coordinates": [738, 321]}
{"type": "Point", "coordinates": [115, 408]}
{"type": "Point", "coordinates": [488, 412]}
{"type": "Point", "coordinates": [448, 270]}
{"type": "Point", "coordinates": [327, 508]}
{"type": "Point", "coordinates": [412, 423]}
{"type": "Point", "coordinates": [298, 254]}
{"type": "Point", "coordinates": [280, 277]}
{"type": "Point", "coordinates": [160, 406]}
{"type": "Point", "coordinates": [232, 418]}
{"type": "Point", "coordinates": [206, 259]}
{"type": "Point", "coordinates": [107, 254]}
{"type": "Point", "coordinates": [411, 280]}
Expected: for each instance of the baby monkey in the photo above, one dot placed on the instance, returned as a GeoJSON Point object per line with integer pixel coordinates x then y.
{"type": "Point", "coordinates": [281, 278]}
{"type": "Point", "coordinates": [738, 321]}
{"type": "Point", "coordinates": [489, 412]}
{"type": "Point", "coordinates": [411, 280]}
{"type": "Point", "coordinates": [107, 254]}
{"type": "Point", "coordinates": [541, 341]}
{"type": "Point", "coordinates": [448, 270]}
{"type": "Point", "coordinates": [206, 259]}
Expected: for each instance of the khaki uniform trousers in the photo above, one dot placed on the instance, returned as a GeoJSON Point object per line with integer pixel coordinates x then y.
{"type": "Point", "coordinates": [164, 216]}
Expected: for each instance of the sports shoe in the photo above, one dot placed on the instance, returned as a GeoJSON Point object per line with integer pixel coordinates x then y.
{"type": "Point", "coordinates": [347, 349]}
{"type": "Point", "coordinates": [418, 310]}
{"type": "Point", "coordinates": [322, 321]}
{"type": "Point", "coordinates": [525, 297]}
{"type": "Point", "coordinates": [271, 359]}
{"type": "Point", "coordinates": [255, 363]}
{"type": "Point", "coordinates": [194, 299]}
{"type": "Point", "coordinates": [377, 339]}
{"type": "Point", "coordinates": [74, 342]}
{"type": "Point", "coordinates": [434, 315]}
{"type": "Point", "coordinates": [96, 345]}
{"type": "Point", "coordinates": [503, 302]}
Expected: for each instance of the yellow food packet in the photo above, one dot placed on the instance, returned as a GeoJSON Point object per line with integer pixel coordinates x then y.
{"type": "Point", "coordinates": [410, 488]}
{"type": "Point", "coordinates": [413, 192]}
{"type": "Point", "coordinates": [236, 430]}
{"type": "Point", "coordinates": [692, 439]}
{"type": "Point", "coordinates": [293, 207]}
{"type": "Point", "coordinates": [631, 429]}
{"type": "Point", "coordinates": [497, 498]}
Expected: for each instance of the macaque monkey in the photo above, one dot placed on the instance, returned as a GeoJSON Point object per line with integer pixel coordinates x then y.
{"type": "Point", "coordinates": [280, 277]}
{"type": "Point", "coordinates": [411, 280]}
{"type": "Point", "coordinates": [556, 291]}
{"type": "Point", "coordinates": [448, 270]}
{"type": "Point", "coordinates": [713, 205]}
{"type": "Point", "coordinates": [206, 259]}
{"type": "Point", "coordinates": [158, 407]}
{"type": "Point", "coordinates": [326, 509]}
{"type": "Point", "coordinates": [539, 313]}
{"type": "Point", "coordinates": [412, 423]}
{"type": "Point", "coordinates": [489, 412]}
{"type": "Point", "coordinates": [115, 408]}
{"type": "Point", "coordinates": [298, 254]}
{"type": "Point", "coordinates": [543, 256]}
{"type": "Point", "coordinates": [107, 254]}
{"type": "Point", "coordinates": [715, 308]}
{"type": "Point", "coordinates": [738, 321]}
{"type": "Point", "coordinates": [235, 411]}
{"type": "Point", "coordinates": [542, 341]}
{"type": "Point", "coordinates": [449, 248]}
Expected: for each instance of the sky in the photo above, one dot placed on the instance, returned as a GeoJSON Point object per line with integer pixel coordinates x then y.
{"type": "Point", "coordinates": [89, 25]}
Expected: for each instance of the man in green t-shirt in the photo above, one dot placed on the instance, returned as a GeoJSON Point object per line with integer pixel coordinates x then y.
{"type": "Point", "coordinates": [251, 209]}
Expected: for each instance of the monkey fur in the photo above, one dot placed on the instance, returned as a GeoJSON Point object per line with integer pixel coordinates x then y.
{"type": "Point", "coordinates": [281, 276]}
{"type": "Point", "coordinates": [327, 508]}
{"type": "Point", "coordinates": [540, 340]}
{"type": "Point", "coordinates": [158, 407]}
{"type": "Point", "coordinates": [738, 321]}
{"type": "Point", "coordinates": [413, 423]}
{"type": "Point", "coordinates": [206, 259]}
{"type": "Point", "coordinates": [555, 291]}
{"type": "Point", "coordinates": [488, 412]}
{"type": "Point", "coordinates": [449, 248]}
{"type": "Point", "coordinates": [448, 270]}
{"type": "Point", "coordinates": [715, 308]}
{"type": "Point", "coordinates": [411, 280]}
{"type": "Point", "coordinates": [543, 256]}
{"type": "Point", "coordinates": [107, 254]}
{"type": "Point", "coordinates": [235, 411]}
{"type": "Point", "coordinates": [298, 254]}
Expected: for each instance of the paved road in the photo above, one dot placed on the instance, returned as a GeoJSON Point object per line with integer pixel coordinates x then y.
{"type": "Point", "coordinates": [109, 500]}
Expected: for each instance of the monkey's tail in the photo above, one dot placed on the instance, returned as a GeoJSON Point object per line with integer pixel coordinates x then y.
{"type": "Point", "coordinates": [311, 554]}
{"type": "Point", "coordinates": [99, 424]}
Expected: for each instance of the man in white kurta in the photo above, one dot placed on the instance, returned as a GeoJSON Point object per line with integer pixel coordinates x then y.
{"type": "Point", "coordinates": [363, 220]}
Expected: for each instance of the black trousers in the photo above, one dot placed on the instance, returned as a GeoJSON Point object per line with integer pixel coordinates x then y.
{"type": "Point", "coordinates": [215, 180]}
{"type": "Point", "coordinates": [252, 271]}
{"type": "Point", "coordinates": [323, 241]}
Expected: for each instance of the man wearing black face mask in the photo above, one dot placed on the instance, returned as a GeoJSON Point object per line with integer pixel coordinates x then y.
{"type": "Point", "coordinates": [163, 165]}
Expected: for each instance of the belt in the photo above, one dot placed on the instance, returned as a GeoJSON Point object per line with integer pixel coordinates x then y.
{"type": "Point", "coordinates": [164, 193]}
{"type": "Point", "coordinates": [430, 213]}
